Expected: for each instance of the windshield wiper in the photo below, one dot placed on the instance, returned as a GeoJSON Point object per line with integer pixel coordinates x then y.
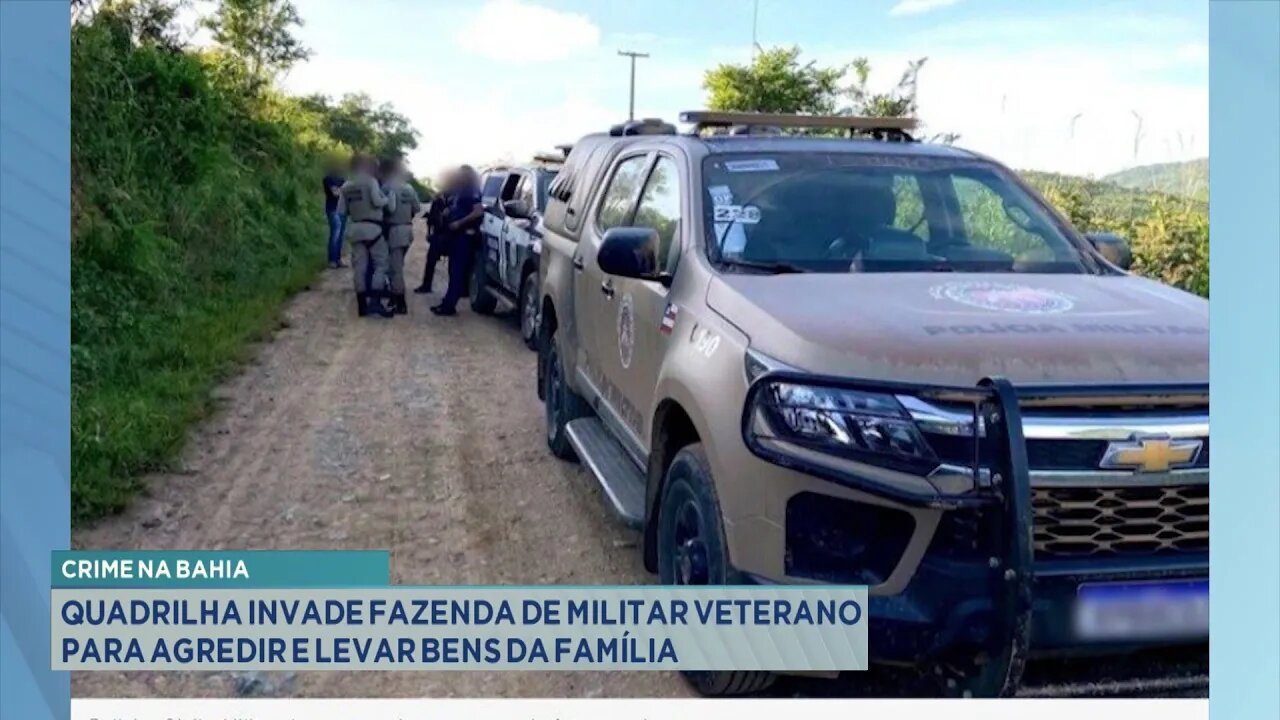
{"type": "Point", "coordinates": [776, 268]}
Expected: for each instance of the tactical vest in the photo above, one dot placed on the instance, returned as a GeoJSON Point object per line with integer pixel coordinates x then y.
{"type": "Point", "coordinates": [406, 196]}
{"type": "Point", "coordinates": [358, 196]}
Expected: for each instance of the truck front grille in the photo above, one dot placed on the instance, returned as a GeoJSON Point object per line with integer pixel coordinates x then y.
{"type": "Point", "coordinates": [1074, 522]}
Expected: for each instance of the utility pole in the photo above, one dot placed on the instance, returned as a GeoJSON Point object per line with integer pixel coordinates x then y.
{"type": "Point", "coordinates": [755, 16]}
{"type": "Point", "coordinates": [631, 109]}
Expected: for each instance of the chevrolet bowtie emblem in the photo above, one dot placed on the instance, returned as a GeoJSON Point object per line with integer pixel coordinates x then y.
{"type": "Point", "coordinates": [1151, 454]}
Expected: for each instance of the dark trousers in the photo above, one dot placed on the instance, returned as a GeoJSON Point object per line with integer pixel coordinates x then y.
{"type": "Point", "coordinates": [460, 253]}
{"type": "Point", "coordinates": [435, 251]}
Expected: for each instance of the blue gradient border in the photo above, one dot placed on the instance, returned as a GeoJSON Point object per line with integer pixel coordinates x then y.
{"type": "Point", "coordinates": [1244, 278]}
{"type": "Point", "coordinates": [35, 345]}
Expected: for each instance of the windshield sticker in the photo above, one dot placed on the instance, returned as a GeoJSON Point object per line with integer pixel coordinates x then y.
{"type": "Point", "coordinates": [1004, 297]}
{"type": "Point", "coordinates": [748, 214]}
{"type": "Point", "coordinates": [626, 330]}
{"type": "Point", "coordinates": [761, 165]}
{"type": "Point", "coordinates": [720, 195]}
{"type": "Point", "coordinates": [729, 233]}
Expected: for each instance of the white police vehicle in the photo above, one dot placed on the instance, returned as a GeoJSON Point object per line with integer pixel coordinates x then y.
{"type": "Point", "coordinates": [506, 268]}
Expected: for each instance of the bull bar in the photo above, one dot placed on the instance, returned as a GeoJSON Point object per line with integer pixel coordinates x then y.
{"type": "Point", "coordinates": [1001, 450]}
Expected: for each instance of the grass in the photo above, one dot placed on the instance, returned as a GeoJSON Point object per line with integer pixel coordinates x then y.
{"type": "Point", "coordinates": [196, 215]}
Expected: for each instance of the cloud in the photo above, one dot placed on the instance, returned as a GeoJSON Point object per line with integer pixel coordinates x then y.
{"type": "Point", "coordinates": [1064, 109]}
{"type": "Point", "coordinates": [918, 7]}
{"type": "Point", "coordinates": [517, 31]}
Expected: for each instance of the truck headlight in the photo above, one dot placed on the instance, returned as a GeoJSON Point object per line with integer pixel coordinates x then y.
{"type": "Point", "coordinates": [845, 421]}
{"type": "Point", "coordinates": [917, 444]}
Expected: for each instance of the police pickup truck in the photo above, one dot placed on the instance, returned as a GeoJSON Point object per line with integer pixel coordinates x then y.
{"type": "Point", "coordinates": [507, 266]}
{"type": "Point", "coordinates": [808, 358]}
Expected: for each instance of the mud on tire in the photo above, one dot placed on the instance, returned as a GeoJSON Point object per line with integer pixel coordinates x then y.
{"type": "Point", "coordinates": [562, 404]}
{"type": "Point", "coordinates": [691, 551]}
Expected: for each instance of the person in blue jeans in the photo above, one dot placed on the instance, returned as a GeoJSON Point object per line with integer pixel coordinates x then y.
{"type": "Point", "coordinates": [463, 218]}
{"type": "Point", "coordinates": [333, 181]}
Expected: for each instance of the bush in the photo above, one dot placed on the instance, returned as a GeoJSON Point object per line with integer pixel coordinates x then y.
{"type": "Point", "coordinates": [1169, 234]}
{"type": "Point", "coordinates": [195, 213]}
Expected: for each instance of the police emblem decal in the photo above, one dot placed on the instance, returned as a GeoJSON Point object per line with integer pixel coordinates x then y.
{"type": "Point", "coordinates": [1004, 297]}
{"type": "Point", "coordinates": [626, 330]}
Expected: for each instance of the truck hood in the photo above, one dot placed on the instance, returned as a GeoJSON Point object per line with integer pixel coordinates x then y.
{"type": "Point", "coordinates": [956, 329]}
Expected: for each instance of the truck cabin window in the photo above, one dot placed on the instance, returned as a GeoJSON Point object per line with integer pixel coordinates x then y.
{"type": "Point", "coordinates": [846, 212]}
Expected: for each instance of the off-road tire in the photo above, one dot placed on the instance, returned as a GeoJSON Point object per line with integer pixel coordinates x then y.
{"type": "Point", "coordinates": [692, 551]}
{"type": "Point", "coordinates": [562, 405]}
{"type": "Point", "coordinates": [482, 300]}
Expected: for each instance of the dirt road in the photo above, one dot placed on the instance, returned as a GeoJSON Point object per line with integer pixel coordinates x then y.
{"type": "Point", "coordinates": [421, 435]}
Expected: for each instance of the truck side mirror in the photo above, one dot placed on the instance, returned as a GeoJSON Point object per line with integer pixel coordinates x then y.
{"type": "Point", "coordinates": [630, 252]}
{"type": "Point", "coordinates": [517, 209]}
{"type": "Point", "coordinates": [1112, 247]}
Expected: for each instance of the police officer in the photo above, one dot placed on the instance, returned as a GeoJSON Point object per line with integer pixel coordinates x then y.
{"type": "Point", "coordinates": [363, 202]}
{"type": "Point", "coordinates": [399, 230]}
{"type": "Point", "coordinates": [437, 233]}
{"type": "Point", "coordinates": [465, 212]}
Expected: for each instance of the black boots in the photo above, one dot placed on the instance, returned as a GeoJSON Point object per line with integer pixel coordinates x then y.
{"type": "Point", "coordinates": [423, 289]}
{"type": "Point", "coordinates": [398, 304]}
{"type": "Point", "coordinates": [371, 303]}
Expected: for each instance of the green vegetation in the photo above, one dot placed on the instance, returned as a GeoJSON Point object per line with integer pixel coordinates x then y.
{"type": "Point", "coordinates": [1169, 234]}
{"type": "Point", "coordinates": [1185, 179]}
{"type": "Point", "coordinates": [1162, 210]}
{"type": "Point", "coordinates": [195, 214]}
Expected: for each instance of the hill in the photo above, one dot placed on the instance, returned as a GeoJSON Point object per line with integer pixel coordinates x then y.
{"type": "Point", "coordinates": [1187, 179]}
{"type": "Point", "coordinates": [1169, 232]}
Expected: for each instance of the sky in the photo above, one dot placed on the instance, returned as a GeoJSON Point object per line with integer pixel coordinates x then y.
{"type": "Point", "coordinates": [1081, 87]}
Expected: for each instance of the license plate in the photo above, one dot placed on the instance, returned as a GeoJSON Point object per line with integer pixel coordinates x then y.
{"type": "Point", "coordinates": [1170, 610]}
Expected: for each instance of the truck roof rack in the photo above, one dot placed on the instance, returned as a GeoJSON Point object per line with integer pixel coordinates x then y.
{"type": "Point", "coordinates": [647, 126]}
{"type": "Point", "coordinates": [750, 123]}
{"type": "Point", "coordinates": [548, 159]}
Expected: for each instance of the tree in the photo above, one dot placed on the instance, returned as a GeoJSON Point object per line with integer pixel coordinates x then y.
{"type": "Point", "coordinates": [774, 81]}
{"type": "Point", "coordinates": [366, 127]}
{"type": "Point", "coordinates": [260, 33]}
{"type": "Point", "coordinates": [899, 101]}
{"type": "Point", "coordinates": [149, 22]}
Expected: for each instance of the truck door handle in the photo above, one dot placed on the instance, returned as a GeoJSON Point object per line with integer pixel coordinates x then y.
{"type": "Point", "coordinates": [606, 287]}
{"type": "Point", "coordinates": [578, 263]}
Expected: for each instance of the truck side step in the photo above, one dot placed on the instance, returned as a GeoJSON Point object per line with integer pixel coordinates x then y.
{"type": "Point", "coordinates": [622, 481]}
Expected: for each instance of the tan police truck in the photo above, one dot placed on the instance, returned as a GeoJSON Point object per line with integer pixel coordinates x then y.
{"type": "Point", "coordinates": [798, 349]}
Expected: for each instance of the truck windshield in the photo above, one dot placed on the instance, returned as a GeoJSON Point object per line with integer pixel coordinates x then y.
{"type": "Point", "coordinates": [846, 212]}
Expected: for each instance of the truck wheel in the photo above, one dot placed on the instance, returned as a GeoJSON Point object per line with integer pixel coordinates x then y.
{"type": "Point", "coordinates": [691, 551]}
{"type": "Point", "coordinates": [529, 310]}
{"type": "Point", "coordinates": [562, 405]}
{"type": "Point", "coordinates": [482, 301]}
